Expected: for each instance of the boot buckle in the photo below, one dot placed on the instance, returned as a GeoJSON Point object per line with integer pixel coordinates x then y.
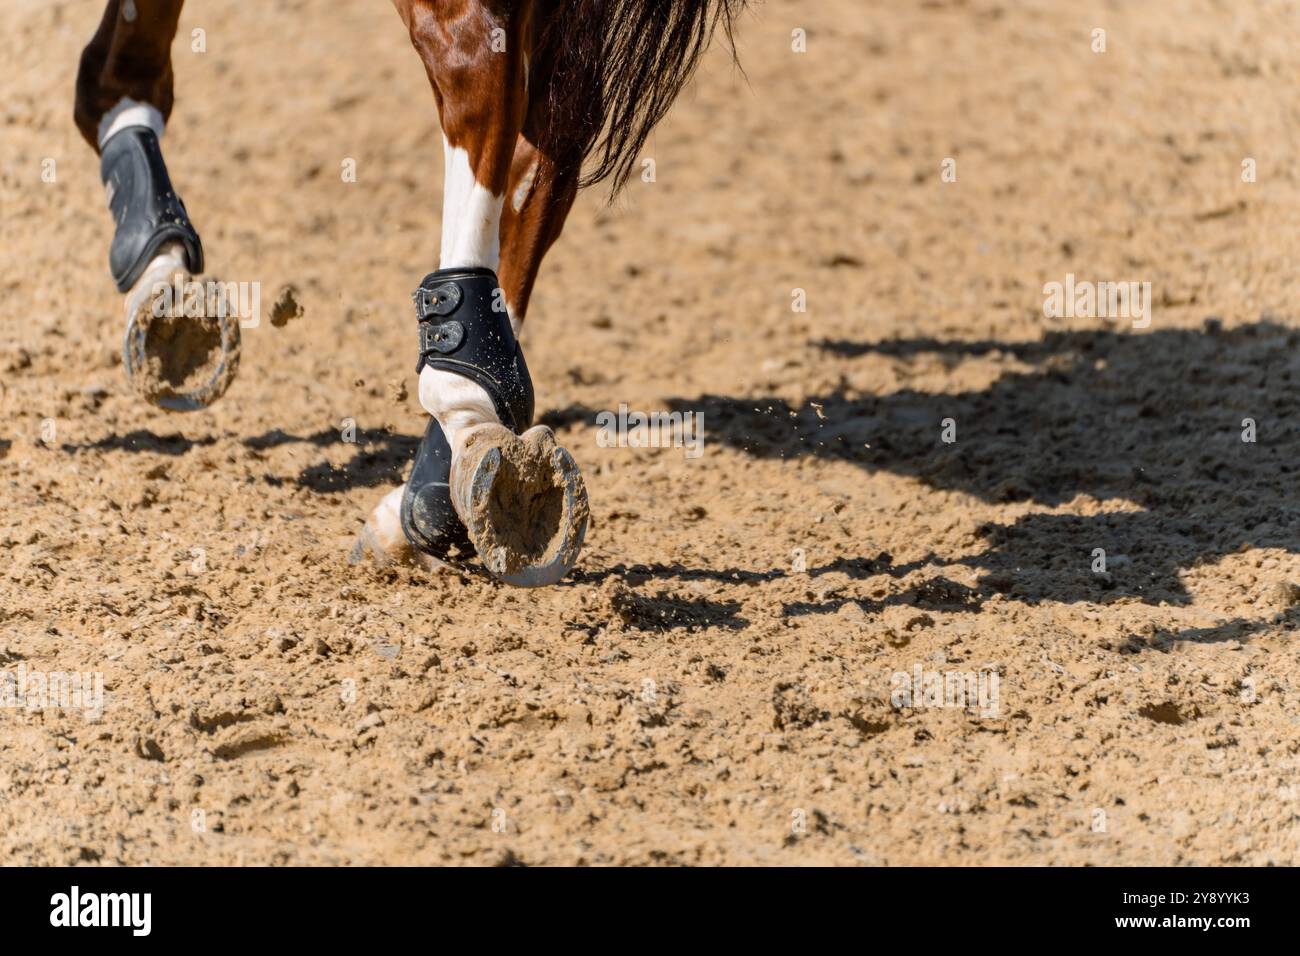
{"type": "Point", "coordinates": [442, 299]}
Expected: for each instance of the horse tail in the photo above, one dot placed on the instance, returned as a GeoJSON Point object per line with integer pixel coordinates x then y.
{"type": "Point", "coordinates": [613, 69]}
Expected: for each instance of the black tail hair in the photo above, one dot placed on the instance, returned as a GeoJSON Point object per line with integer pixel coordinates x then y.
{"type": "Point", "coordinates": [615, 67]}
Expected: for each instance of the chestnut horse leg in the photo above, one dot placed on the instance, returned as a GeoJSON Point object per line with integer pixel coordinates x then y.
{"type": "Point", "coordinates": [537, 203]}
{"type": "Point", "coordinates": [123, 100]}
{"type": "Point", "coordinates": [125, 76]}
{"type": "Point", "coordinates": [502, 208]}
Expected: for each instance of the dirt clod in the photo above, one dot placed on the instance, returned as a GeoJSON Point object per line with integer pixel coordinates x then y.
{"type": "Point", "coordinates": [286, 307]}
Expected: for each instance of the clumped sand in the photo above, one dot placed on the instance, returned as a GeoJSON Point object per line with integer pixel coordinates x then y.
{"type": "Point", "coordinates": [286, 307]}
{"type": "Point", "coordinates": [718, 680]}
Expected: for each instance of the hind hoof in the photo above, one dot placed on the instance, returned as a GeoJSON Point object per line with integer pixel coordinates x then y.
{"type": "Point", "coordinates": [381, 541]}
{"type": "Point", "coordinates": [368, 548]}
{"type": "Point", "coordinates": [176, 362]}
{"type": "Point", "coordinates": [523, 502]}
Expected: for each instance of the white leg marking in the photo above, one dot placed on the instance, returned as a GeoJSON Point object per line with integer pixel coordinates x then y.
{"type": "Point", "coordinates": [525, 187]}
{"type": "Point", "coordinates": [458, 403]}
{"type": "Point", "coordinates": [471, 236]}
{"type": "Point", "coordinates": [471, 216]}
{"type": "Point", "coordinates": [129, 112]}
{"type": "Point", "coordinates": [171, 257]}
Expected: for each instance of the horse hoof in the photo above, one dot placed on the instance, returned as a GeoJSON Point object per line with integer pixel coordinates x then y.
{"type": "Point", "coordinates": [523, 502]}
{"type": "Point", "coordinates": [381, 540]}
{"type": "Point", "coordinates": [174, 361]}
{"type": "Point", "coordinates": [368, 548]}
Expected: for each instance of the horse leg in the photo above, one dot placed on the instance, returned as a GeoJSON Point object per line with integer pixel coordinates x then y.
{"type": "Point", "coordinates": [537, 203]}
{"type": "Point", "coordinates": [518, 496]}
{"type": "Point", "coordinates": [125, 75]}
{"type": "Point", "coordinates": [123, 100]}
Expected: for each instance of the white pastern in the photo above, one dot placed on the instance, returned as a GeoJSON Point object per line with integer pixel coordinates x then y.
{"type": "Point", "coordinates": [458, 403]}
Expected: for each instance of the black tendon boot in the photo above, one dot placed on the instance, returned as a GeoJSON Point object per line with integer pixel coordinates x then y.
{"type": "Point", "coordinates": [519, 499]}
{"type": "Point", "coordinates": [179, 355]}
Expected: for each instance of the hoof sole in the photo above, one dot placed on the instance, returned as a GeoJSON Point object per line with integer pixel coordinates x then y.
{"type": "Point", "coordinates": [175, 362]}
{"type": "Point", "coordinates": [523, 502]}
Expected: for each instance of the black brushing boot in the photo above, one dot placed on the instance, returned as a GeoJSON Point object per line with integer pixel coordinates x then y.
{"type": "Point", "coordinates": [510, 483]}
{"type": "Point", "coordinates": [148, 215]}
{"type": "Point", "coordinates": [145, 207]}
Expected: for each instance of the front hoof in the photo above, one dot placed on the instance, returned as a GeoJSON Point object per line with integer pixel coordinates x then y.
{"type": "Point", "coordinates": [177, 362]}
{"type": "Point", "coordinates": [523, 502]}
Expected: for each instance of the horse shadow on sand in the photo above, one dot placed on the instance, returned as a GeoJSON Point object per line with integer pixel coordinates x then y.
{"type": "Point", "coordinates": [1152, 426]}
{"type": "Point", "coordinates": [1149, 426]}
{"type": "Point", "coordinates": [381, 459]}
